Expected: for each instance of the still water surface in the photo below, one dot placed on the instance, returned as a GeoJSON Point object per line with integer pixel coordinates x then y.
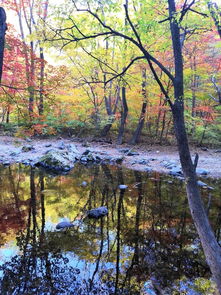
{"type": "Point", "coordinates": [146, 244]}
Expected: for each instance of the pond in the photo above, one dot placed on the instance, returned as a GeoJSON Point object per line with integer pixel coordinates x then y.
{"type": "Point", "coordinates": [146, 244]}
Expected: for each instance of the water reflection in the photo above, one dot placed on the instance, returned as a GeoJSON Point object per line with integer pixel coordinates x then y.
{"type": "Point", "coordinates": [148, 234]}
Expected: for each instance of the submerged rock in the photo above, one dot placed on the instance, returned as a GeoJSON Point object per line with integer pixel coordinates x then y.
{"type": "Point", "coordinates": [64, 224]}
{"type": "Point", "coordinates": [97, 212]}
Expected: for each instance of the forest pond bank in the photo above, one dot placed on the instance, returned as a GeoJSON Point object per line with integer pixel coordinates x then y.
{"type": "Point", "coordinates": [146, 243]}
{"type": "Point", "coordinates": [163, 159]}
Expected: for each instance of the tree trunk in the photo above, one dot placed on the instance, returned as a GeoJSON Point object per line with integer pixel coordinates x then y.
{"type": "Point", "coordinates": [31, 85]}
{"type": "Point", "coordinates": [193, 87]}
{"type": "Point", "coordinates": [136, 136]}
{"type": "Point", "coordinates": [3, 28]}
{"type": "Point", "coordinates": [210, 246]}
{"type": "Point", "coordinates": [8, 114]}
{"type": "Point", "coordinates": [124, 113]}
{"type": "Point", "coordinates": [41, 97]}
{"type": "Point", "coordinates": [209, 243]}
{"type": "Point", "coordinates": [110, 112]}
{"type": "Point", "coordinates": [163, 126]}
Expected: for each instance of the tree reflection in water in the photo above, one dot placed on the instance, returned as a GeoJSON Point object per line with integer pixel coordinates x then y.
{"type": "Point", "coordinates": [147, 236]}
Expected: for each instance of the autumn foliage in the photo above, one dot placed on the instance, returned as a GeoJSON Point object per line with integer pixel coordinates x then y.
{"type": "Point", "coordinates": [43, 95]}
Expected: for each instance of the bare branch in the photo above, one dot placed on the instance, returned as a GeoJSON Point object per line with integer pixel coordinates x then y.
{"type": "Point", "coordinates": [125, 69]}
{"type": "Point", "coordinates": [131, 24]}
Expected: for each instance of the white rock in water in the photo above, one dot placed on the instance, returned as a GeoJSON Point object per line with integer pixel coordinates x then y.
{"type": "Point", "coordinates": [64, 224]}
{"type": "Point", "coordinates": [84, 183]}
{"type": "Point", "coordinates": [123, 186]}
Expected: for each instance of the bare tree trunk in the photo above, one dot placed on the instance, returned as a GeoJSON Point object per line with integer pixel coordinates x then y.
{"type": "Point", "coordinates": [194, 85]}
{"type": "Point", "coordinates": [8, 114]}
{"type": "Point", "coordinates": [163, 126]}
{"type": "Point", "coordinates": [124, 113]}
{"type": "Point", "coordinates": [3, 28]}
{"type": "Point", "coordinates": [41, 97]}
{"type": "Point", "coordinates": [210, 246]}
{"type": "Point", "coordinates": [136, 136]}
{"type": "Point", "coordinates": [111, 112]}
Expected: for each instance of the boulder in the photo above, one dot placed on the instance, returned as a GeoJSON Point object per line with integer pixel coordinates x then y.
{"type": "Point", "coordinates": [27, 148]}
{"type": "Point", "coordinates": [97, 212]}
{"type": "Point", "coordinates": [48, 145]}
{"type": "Point", "coordinates": [218, 151]}
{"type": "Point", "coordinates": [58, 161]}
{"type": "Point", "coordinates": [142, 162]}
{"type": "Point", "coordinates": [89, 157]}
{"type": "Point", "coordinates": [148, 169]}
{"type": "Point", "coordinates": [131, 153]}
{"type": "Point", "coordinates": [201, 171]}
{"type": "Point", "coordinates": [176, 171]}
{"type": "Point", "coordinates": [124, 150]}
{"type": "Point", "coordinates": [64, 224]}
{"type": "Point", "coordinates": [61, 146]}
{"type": "Point", "coordinates": [119, 160]}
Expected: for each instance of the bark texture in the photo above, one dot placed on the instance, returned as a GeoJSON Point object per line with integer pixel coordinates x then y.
{"type": "Point", "coordinates": [3, 28]}
{"type": "Point", "coordinates": [210, 246]}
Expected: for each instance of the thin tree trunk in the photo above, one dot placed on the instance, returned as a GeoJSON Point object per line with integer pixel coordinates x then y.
{"type": "Point", "coordinates": [108, 126]}
{"type": "Point", "coordinates": [31, 85]}
{"type": "Point", "coordinates": [8, 114]}
{"type": "Point", "coordinates": [136, 136]}
{"type": "Point", "coordinates": [163, 126]}
{"type": "Point", "coordinates": [41, 97]}
{"type": "Point", "coordinates": [194, 84]}
{"type": "Point", "coordinates": [124, 113]}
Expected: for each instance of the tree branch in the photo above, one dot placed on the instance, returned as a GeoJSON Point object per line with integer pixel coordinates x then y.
{"type": "Point", "coordinates": [131, 25]}
{"type": "Point", "coordinates": [125, 69]}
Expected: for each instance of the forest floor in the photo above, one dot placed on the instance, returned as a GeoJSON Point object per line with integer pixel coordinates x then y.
{"type": "Point", "coordinates": [153, 156]}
